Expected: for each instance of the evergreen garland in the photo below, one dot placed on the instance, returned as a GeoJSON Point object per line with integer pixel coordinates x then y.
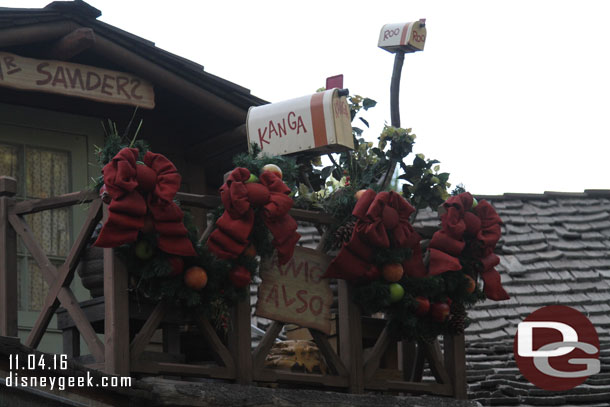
{"type": "Point", "coordinates": [153, 279]}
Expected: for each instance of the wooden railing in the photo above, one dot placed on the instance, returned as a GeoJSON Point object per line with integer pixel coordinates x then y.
{"type": "Point", "coordinates": [351, 367]}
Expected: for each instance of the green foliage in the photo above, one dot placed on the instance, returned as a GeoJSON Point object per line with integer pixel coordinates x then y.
{"type": "Point", "coordinates": [452, 286]}
{"type": "Point", "coordinates": [254, 161]}
{"type": "Point", "coordinates": [152, 279]}
{"type": "Point", "coordinates": [367, 166]}
{"type": "Point", "coordinates": [459, 189]}
{"type": "Point", "coordinates": [113, 143]}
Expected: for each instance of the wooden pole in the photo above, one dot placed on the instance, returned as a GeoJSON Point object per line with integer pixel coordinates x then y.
{"type": "Point", "coordinates": [240, 341]}
{"type": "Point", "coordinates": [116, 324]}
{"type": "Point", "coordinates": [350, 339]}
{"type": "Point", "coordinates": [455, 363]}
{"type": "Point", "coordinates": [8, 259]}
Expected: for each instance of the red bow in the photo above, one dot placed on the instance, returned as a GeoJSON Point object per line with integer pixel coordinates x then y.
{"type": "Point", "coordinates": [383, 222]}
{"type": "Point", "coordinates": [239, 198]}
{"type": "Point", "coordinates": [482, 228]}
{"type": "Point", "coordinates": [137, 190]}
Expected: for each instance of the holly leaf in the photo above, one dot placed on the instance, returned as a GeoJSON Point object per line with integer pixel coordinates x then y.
{"type": "Point", "coordinates": [337, 174]}
{"type": "Point", "coordinates": [368, 103]}
{"type": "Point", "coordinates": [325, 173]}
{"type": "Point", "coordinates": [418, 162]}
{"type": "Point", "coordinates": [443, 177]}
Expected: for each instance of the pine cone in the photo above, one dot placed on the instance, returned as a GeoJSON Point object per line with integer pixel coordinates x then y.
{"type": "Point", "coordinates": [457, 317]}
{"type": "Point", "coordinates": [343, 234]}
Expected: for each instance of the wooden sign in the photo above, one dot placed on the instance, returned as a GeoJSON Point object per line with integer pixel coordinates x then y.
{"type": "Point", "coordinates": [406, 37]}
{"type": "Point", "coordinates": [64, 78]}
{"type": "Point", "coordinates": [319, 122]}
{"type": "Point", "coordinates": [296, 292]}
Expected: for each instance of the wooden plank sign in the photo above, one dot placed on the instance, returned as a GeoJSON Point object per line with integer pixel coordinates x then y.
{"type": "Point", "coordinates": [319, 122]}
{"type": "Point", "coordinates": [296, 292]}
{"type": "Point", "coordinates": [64, 78]}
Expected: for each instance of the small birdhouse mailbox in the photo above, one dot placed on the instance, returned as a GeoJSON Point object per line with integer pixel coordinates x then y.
{"type": "Point", "coordinates": [406, 37]}
{"type": "Point", "coordinates": [319, 122]}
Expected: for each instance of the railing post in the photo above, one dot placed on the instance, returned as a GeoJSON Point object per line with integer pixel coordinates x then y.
{"type": "Point", "coordinates": [350, 338]}
{"type": "Point", "coordinates": [116, 324]}
{"type": "Point", "coordinates": [8, 259]}
{"type": "Point", "coordinates": [240, 341]}
{"type": "Point", "coordinates": [455, 363]}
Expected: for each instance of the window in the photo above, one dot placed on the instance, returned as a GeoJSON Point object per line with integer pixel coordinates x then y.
{"type": "Point", "coordinates": [40, 173]}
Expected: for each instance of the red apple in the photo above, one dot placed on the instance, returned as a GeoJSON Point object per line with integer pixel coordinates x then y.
{"type": "Point", "coordinates": [423, 306]}
{"type": "Point", "coordinates": [240, 276]}
{"type": "Point", "coordinates": [177, 265]}
{"type": "Point", "coordinates": [439, 311]}
{"type": "Point", "coordinates": [372, 273]}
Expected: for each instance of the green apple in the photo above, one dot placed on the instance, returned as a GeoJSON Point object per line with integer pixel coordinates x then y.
{"type": "Point", "coordinates": [474, 202]}
{"type": "Point", "coordinates": [396, 292]}
{"type": "Point", "coordinates": [253, 178]}
{"type": "Point", "coordinates": [144, 250]}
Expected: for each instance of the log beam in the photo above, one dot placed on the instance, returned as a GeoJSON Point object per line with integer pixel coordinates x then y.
{"type": "Point", "coordinates": [72, 44]}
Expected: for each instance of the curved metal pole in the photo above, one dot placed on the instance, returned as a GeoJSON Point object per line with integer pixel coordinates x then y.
{"type": "Point", "coordinates": [399, 59]}
{"type": "Point", "coordinates": [395, 88]}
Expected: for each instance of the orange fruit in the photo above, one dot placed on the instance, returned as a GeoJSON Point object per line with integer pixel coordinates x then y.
{"type": "Point", "coordinates": [359, 194]}
{"type": "Point", "coordinates": [472, 285]}
{"type": "Point", "coordinates": [195, 278]}
{"type": "Point", "coordinates": [250, 251]}
{"type": "Point", "coordinates": [393, 272]}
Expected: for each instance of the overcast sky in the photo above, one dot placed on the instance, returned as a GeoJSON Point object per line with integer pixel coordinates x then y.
{"type": "Point", "coordinates": [510, 96]}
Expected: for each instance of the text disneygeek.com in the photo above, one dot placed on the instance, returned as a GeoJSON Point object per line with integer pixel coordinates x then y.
{"type": "Point", "coordinates": [25, 372]}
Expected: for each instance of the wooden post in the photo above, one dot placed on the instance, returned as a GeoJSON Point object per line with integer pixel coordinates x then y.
{"type": "Point", "coordinates": [116, 325]}
{"type": "Point", "coordinates": [350, 339]}
{"type": "Point", "coordinates": [455, 363]}
{"type": "Point", "coordinates": [240, 341]}
{"type": "Point", "coordinates": [409, 357]}
{"type": "Point", "coordinates": [8, 260]}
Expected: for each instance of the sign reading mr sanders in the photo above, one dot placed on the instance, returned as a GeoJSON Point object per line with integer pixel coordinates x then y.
{"type": "Point", "coordinates": [66, 78]}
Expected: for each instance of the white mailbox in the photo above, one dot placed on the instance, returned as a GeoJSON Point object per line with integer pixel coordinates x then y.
{"type": "Point", "coordinates": [406, 37]}
{"type": "Point", "coordinates": [319, 122]}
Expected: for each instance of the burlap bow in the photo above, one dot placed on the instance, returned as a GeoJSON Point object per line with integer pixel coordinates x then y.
{"type": "Point", "coordinates": [481, 227]}
{"type": "Point", "coordinates": [139, 191]}
{"type": "Point", "coordinates": [383, 222]}
{"type": "Point", "coordinates": [239, 198]}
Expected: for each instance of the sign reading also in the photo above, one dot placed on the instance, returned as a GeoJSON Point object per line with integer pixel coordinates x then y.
{"type": "Point", "coordinates": [320, 122]}
{"type": "Point", "coordinates": [296, 292]}
{"type": "Point", "coordinates": [70, 79]}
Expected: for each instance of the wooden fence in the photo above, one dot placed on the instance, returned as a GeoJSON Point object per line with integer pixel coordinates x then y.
{"type": "Point", "coordinates": [351, 366]}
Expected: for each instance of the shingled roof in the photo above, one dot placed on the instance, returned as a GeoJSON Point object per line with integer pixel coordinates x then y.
{"type": "Point", "coordinates": [555, 249]}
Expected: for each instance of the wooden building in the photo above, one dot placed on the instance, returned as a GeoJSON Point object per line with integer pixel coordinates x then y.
{"type": "Point", "coordinates": [62, 71]}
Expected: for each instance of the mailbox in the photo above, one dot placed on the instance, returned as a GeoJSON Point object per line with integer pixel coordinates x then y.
{"type": "Point", "coordinates": [406, 37]}
{"type": "Point", "coordinates": [319, 122]}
